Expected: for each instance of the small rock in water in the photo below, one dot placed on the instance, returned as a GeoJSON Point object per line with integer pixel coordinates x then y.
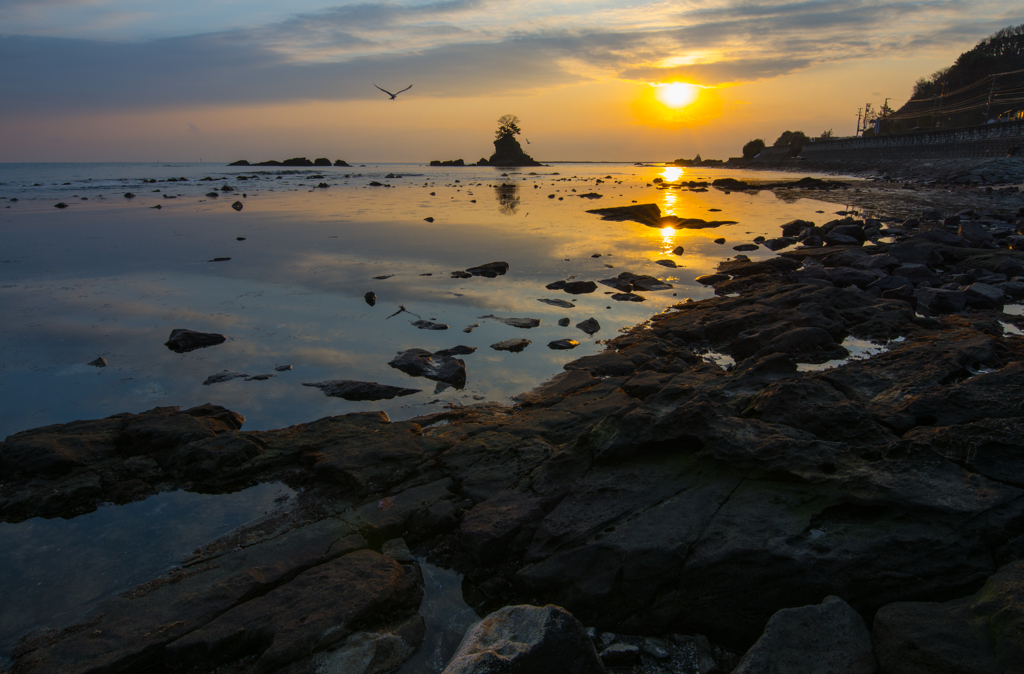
{"type": "Point", "coordinates": [566, 304]}
{"type": "Point", "coordinates": [562, 344]}
{"type": "Point", "coordinates": [99, 362]}
{"type": "Point", "coordinates": [719, 241]}
{"type": "Point", "coordinates": [370, 298]}
{"type": "Point", "coordinates": [381, 278]}
{"type": "Point", "coordinates": [589, 326]}
{"type": "Point", "coordinates": [456, 351]}
{"type": "Point", "coordinates": [666, 263]}
{"type": "Point", "coordinates": [220, 259]}
{"type": "Point", "coordinates": [489, 270]}
{"type": "Point", "coordinates": [429, 325]}
{"type": "Point", "coordinates": [239, 238]}
{"type": "Point", "coordinates": [429, 219]}
{"type": "Point", "coordinates": [260, 377]}
{"type": "Point", "coordinates": [237, 205]}
{"type": "Point", "coordinates": [515, 322]}
{"type": "Point", "coordinates": [129, 195]}
{"type": "Point", "coordinates": [745, 247]}
{"type": "Point", "coordinates": [469, 328]}
{"type": "Point", "coordinates": [213, 194]}
{"type": "Point", "coordinates": [221, 377]}
{"type": "Point", "coordinates": [563, 321]}
{"type": "Point", "coordinates": [422, 363]}
{"type": "Point", "coordinates": [513, 345]}
{"type": "Point", "coordinates": [360, 390]}
{"type": "Point", "coordinates": [183, 341]}
{"type": "Point", "coordinates": [282, 368]}
{"type": "Point", "coordinates": [678, 250]}
{"type": "Point", "coordinates": [60, 205]}
{"type": "Point", "coordinates": [461, 274]}
{"type": "Point", "coordinates": [628, 297]}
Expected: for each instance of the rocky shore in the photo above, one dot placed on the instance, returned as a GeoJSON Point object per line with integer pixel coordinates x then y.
{"type": "Point", "coordinates": [866, 517]}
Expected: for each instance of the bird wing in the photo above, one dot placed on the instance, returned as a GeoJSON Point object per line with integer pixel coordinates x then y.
{"type": "Point", "coordinates": [386, 91]}
{"type": "Point", "coordinates": [406, 89]}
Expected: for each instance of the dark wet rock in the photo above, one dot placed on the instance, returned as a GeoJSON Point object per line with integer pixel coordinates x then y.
{"type": "Point", "coordinates": [360, 390]}
{"type": "Point", "coordinates": [828, 637]}
{"type": "Point", "coordinates": [461, 274]}
{"type": "Point", "coordinates": [564, 322]}
{"type": "Point", "coordinates": [618, 283]}
{"type": "Point", "coordinates": [565, 304]}
{"type": "Point", "coordinates": [428, 325]}
{"type": "Point", "coordinates": [745, 247]}
{"type": "Point", "coordinates": [221, 259]}
{"type": "Point", "coordinates": [224, 376]}
{"type": "Point", "coordinates": [940, 301]}
{"type": "Point", "coordinates": [489, 270]}
{"type": "Point", "coordinates": [99, 362]}
{"type": "Point", "coordinates": [563, 344]}
{"type": "Point", "coordinates": [512, 345]}
{"type": "Point", "coordinates": [339, 162]}
{"type": "Point", "coordinates": [628, 297]}
{"type": "Point", "coordinates": [282, 368]}
{"type": "Point", "coordinates": [60, 204]}
{"type": "Point", "coordinates": [590, 195]}
{"type": "Point", "coordinates": [1011, 267]}
{"type": "Point", "coordinates": [667, 263]}
{"type": "Point", "coordinates": [589, 326]}
{"type": "Point", "coordinates": [779, 243]}
{"type": "Point", "coordinates": [984, 296]}
{"type": "Point", "coordinates": [714, 279]}
{"type": "Point", "coordinates": [979, 633]}
{"type": "Point", "coordinates": [844, 277]}
{"type": "Point", "coordinates": [794, 227]}
{"type": "Point", "coordinates": [943, 237]}
{"type": "Point", "coordinates": [643, 213]}
{"type": "Point", "coordinates": [370, 298]}
{"type": "Point", "coordinates": [917, 273]}
{"type": "Point", "coordinates": [240, 162]}
{"type": "Point", "coordinates": [237, 205]}
{"type": "Point", "coordinates": [212, 194]}
{"type": "Point", "coordinates": [974, 232]}
{"type": "Point", "coordinates": [573, 287]}
{"type": "Point", "coordinates": [678, 250]}
{"type": "Point", "coordinates": [129, 195]}
{"type": "Point", "coordinates": [321, 161]}
{"type": "Point", "coordinates": [833, 239]}
{"type": "Point", "coordinates": [515, 322]}
{"type": "Point", "coordinates": [422, 363]}
{"type": "Point", "coordinates": [183, 341]}
{"type": "Point", "coordinates": [535, 639]}
{"type": "Point", "coordinates": [643, 282]}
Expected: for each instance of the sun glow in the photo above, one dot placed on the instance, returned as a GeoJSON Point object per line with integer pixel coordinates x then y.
{"type": "Point", "coordinates": [677, 94]}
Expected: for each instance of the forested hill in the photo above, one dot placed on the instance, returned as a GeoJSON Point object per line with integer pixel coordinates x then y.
{"type": "Point", "coordinates": [983, 83]}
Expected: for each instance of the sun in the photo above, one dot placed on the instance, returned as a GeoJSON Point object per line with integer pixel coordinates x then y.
{"type": "Point", "coordinates": [677, 94]}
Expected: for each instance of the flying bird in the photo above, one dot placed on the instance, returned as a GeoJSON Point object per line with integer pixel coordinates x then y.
{"type": "Point", "coordinates": [394, 95]}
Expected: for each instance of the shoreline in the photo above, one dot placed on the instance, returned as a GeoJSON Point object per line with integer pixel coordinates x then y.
{"type": "Point", "coordinates": [752, 488]}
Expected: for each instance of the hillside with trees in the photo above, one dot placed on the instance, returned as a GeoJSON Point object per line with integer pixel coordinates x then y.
{"type": "Point", "coordinates": [986, 82]}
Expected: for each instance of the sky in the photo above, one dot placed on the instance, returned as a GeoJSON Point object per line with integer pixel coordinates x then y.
{"type": "Point", "coordinates": [219, 80]}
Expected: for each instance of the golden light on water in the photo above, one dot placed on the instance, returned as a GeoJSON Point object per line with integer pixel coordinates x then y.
{"type": "Point", "coordinates": [677, 94]}
{"type": "Point", "coordinates": [672, 174]}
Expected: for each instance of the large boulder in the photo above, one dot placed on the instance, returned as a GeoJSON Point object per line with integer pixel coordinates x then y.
{"type": "Point", "coordinates": [829, 637]}
{"type": "Point", "coordinates": [521, 639]}
{"type": "Point", "coordinates": [980, 633]}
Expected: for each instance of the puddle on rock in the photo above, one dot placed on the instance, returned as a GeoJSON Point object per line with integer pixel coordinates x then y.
{"type": "Point", "coordinates": [1010, 329]}
{"type": "Point", "coordinates": [1014, 309]}
{"type": "Point", "coordinates": [55, 570]}
{"type": "Point", "coordinates": [447, 617]}
{"type": "Point", "coordinates": [859, 349]}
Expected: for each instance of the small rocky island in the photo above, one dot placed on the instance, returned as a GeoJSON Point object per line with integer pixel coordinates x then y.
{"type": "Point", "coordinates": [507, 150]}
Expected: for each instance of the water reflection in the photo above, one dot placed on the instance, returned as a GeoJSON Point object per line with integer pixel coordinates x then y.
{"type": "Point", "coordinates": [55, 569]}
{"type": "Point", "coordinates": [671, 173]}
{"type": "Point", "coordinates": [508, 198]}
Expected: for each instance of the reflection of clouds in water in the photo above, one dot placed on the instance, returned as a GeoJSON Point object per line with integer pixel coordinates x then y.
{"type": "Point", "coordinates": [507, 195]}
{"type": "Point", "coordinates": [149, 392]}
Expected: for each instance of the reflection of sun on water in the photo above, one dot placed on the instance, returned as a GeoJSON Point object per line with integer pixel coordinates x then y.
{"type": "Point", "coordinates": [668, 200]}
{"type": "Point", "coordinates": [668, 238]}
{"type": "Point", "coordinates": [671, 173]}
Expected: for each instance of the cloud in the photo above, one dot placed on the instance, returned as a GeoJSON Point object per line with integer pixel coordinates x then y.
{"type": "Point", "coordinates": [462, 48]}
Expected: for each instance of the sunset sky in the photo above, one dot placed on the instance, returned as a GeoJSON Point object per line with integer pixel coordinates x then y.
{"type": "Point", "coordinates": [144, 80]}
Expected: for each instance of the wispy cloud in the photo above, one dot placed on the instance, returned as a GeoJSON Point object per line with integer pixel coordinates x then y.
{"type": "Point", "coordinates": [454, 48]}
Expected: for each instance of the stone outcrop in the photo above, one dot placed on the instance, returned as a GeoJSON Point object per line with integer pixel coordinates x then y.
{"type": "Point", "coordinates": [508, 152]}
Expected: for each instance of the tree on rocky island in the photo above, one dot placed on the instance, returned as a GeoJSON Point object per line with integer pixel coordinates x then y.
{"type": "Point", "coordinates": [753, 148]}
{"type": "Point", "coordinates": [507, 150]}
{"type": "Point", "coordinates": [508, 126]}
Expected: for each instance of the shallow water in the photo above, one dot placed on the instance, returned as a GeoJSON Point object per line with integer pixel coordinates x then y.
{"type": "Point", "coordinates": [55, 569]}
{"type": "Point", "coordinates": [112, 277]}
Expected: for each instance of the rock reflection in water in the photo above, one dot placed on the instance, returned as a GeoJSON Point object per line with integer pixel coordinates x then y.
{"type": "Point", "coordinates": [508, 198]}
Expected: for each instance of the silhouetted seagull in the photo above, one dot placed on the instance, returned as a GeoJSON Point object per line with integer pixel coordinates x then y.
{"type": "Point", "coordinates": [394, 95]}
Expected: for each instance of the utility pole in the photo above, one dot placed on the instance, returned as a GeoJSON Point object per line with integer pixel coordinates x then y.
{"type": "Point", "coordinates": [991, 91]}
{"type": "Point", "coordinates": [859, 110]}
